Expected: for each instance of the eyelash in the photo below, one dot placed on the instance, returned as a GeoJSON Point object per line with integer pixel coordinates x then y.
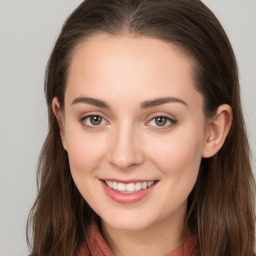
{"type": "Point", "coordinates": [91, 126]}
{"type": "Point", "coordinates": [171, 122]}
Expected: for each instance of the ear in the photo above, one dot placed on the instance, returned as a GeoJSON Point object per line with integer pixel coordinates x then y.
{"type": "Point", "coordinates": [58, 114]}
{"type": "Point", "coordinates": [217, 130]}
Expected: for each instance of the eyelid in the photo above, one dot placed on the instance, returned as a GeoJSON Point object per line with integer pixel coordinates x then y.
{"type": "Point", "coordinates": [172, 119]}
{"type": "Point", "coordinates": [90, 114]}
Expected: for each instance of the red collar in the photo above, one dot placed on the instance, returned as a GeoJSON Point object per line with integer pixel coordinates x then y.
{"type": "Point", "coordinates": [97, 246]}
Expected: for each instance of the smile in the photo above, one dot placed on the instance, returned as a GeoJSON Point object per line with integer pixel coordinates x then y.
{"type": "Point", "coordinates": [130, 187]}
{"type": "Point", "coordinates": [128, 192]}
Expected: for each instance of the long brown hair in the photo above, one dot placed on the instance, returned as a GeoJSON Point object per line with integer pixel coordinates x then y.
{"type": "Point", "coordinates": [221, 206]}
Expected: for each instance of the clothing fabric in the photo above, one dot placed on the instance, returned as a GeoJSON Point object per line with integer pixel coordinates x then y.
{"type": "Point", "coordinates": [97, 246]}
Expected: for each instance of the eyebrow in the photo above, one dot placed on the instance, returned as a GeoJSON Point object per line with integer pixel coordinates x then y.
{"type": "Point", "coordinates": [144, 105]}
{"type": "Point", "coordinates": [161, 101]}
{"type": "Point", "coordinates": [91, 101]}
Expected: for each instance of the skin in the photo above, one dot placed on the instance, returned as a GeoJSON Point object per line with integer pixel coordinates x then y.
{"type": "Point", "coordinates": [126, 72]}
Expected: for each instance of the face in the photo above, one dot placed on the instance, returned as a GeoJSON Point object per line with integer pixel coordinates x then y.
{"type": "Point", "coordinates": [134, 129]}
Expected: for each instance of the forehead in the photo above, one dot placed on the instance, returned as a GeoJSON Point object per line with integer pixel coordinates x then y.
{"type": "Point", "coordinates": [124, 49]}
{"type": "Point", "coordinates": [131, 66]}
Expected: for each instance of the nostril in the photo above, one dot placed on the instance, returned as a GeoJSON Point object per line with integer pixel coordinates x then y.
{"type": "Point", "coordinates": [125, 151]}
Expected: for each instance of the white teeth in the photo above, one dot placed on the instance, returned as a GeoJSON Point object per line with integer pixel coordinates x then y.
{"type": "Point", "coordinates": [150, 183]}
{"type": "Point", "coordinates": [114, 185]}
{"type": "Point", "coordinates": [121, 187]}
{"type": "Point", "coordinates": [138, 186]}
{"type": "Point", "coordinates": [109, 183]}
{"type": "Point", "coordinates": [144, 185]}
{"type": "Point", "coordinates": [130, 187]}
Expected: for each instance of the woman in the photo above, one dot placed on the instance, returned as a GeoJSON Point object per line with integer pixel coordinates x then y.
{"type": "Point", "coordinates": [146, 152]}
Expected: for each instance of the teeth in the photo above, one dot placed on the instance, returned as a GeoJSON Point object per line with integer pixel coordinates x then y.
{"type": "Point", "coordinates": [114, 185]}
{"type": "Point", "coordinates": [144, 185]}
{"type": "Point", "coordinates": [130, 187]}
{"type": "Point", "coordinates": [121, 187]}
{"type": "Point", "coordinates": [109, 183]}
{"type": "Point", "coordinates": [138, 186]}
{"type": "Point", "coordinates": [150, 183]}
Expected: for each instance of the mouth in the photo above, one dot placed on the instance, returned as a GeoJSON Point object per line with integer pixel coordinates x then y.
{"type": "Point", "coordinates": [129, 187]}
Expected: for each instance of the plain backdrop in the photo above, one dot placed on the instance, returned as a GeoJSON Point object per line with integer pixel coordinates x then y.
{"type": "Point", "coordinates": [28, 29]}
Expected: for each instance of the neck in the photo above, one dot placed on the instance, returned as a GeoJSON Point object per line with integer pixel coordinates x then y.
{"type": "Point", "coordinates": [158, 239]}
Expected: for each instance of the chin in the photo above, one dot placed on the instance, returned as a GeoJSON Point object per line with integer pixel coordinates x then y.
{"type": "Point", "coordinates": [129, 222]}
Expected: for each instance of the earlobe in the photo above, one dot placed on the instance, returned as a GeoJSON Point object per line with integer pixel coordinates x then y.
{"type": "Point", "coordinates": [57, 112]}
{"type": "Point", "coordinates": [218, 128]}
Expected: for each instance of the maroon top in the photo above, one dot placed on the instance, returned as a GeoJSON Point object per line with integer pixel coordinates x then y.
{"type": "Point", "coordinates": [98, 246]}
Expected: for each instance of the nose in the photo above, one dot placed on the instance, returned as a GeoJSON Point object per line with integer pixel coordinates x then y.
{"type": "Point", "coordinates": [125, 149]}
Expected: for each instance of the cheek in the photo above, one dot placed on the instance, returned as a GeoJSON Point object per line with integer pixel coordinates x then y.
{"type": "Point", "coordinates": [178, 158]}
{"type": "Point", "coordinates": [85, 153]}
{"type": "Point", "coordinates": [85, 150]}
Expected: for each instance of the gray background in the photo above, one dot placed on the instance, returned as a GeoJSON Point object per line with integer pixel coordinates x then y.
{"type": "Point", "coordinates": [28, 29]}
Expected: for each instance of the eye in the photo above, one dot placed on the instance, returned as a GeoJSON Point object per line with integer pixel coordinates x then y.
{"type": "Point", "coordinates": [93, 120]}
{"type": "Point", "coordinates": [162, 121]}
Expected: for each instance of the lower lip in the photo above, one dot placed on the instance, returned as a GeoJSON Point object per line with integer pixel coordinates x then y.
{"type": "Point", "coordinates": [127, 198]}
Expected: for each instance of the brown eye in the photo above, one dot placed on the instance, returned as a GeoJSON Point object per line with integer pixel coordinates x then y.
{"type": "Point", "coordinates": [93, 121]}
{"type": "Point", "coordinates": [96, 120]}
{"type": "Point", "coordinates": [161, 120]}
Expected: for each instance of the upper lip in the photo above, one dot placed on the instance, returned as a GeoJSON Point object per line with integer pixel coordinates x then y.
{"type": "Point", "coordinates": [129, 181]}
